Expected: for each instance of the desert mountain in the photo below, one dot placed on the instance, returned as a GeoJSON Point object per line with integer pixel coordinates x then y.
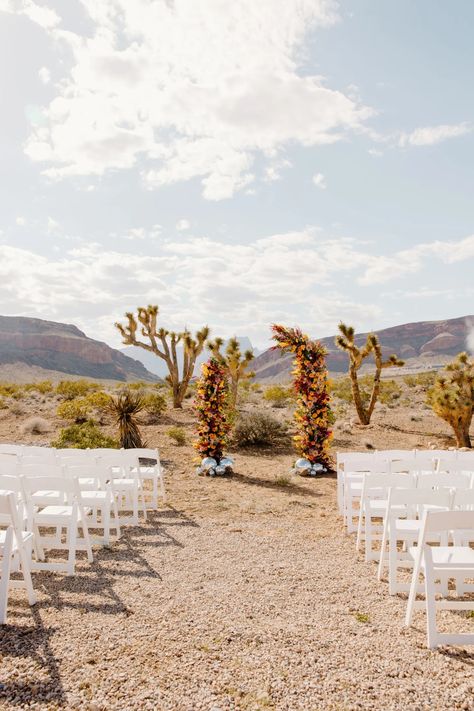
{"type": "Point", "coordinates": [41, 347]}
{"type": "Point", "coordinates": [158, 366]}
{"type": "Point", "coordinates": [422, 344]}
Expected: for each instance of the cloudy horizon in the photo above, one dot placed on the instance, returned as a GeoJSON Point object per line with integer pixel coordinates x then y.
{"type": "Point", "coordinates": [240, 164]}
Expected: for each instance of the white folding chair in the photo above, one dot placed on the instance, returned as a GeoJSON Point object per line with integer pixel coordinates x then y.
{"type": "Point", "coordinates": [402, 525]}
{"type": "Point", "coordinates": [126, 483]}
{"type": "Point", "coordinates": [98, 499]}
{"type": "Point", "coordinates": [341, 469]}
{"type": "Point", "coordinates": [354, 471]}
{"type": "Point", "coordinates": [147, 463]}
{"type": "Point", "coordinates": [55, 502]}
{"type": "Point", "coordinates": [455, 562]}
{"type": "Point", "coordinates": [15, 549]}
{"type": "Point", "coordinates": [373, 504]}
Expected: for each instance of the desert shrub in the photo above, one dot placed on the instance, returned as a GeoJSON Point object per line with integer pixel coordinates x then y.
{"type": "Point", "coordinates": [178, 435]}
{"type": "Point", "coordinates": [277, 395]}
{"type": "Point", "coordinates": [11, 390]}
{"type": "Point", "coordinates": [424, 380]}
{"type": "Point", "coordinates": [256, 388]}
{"type": "Point", "coordinates": [259, 429]}
{"type": "Point", "coordinates": [390, 392]}
{"type": "Point", "coordinates": [76, 410]}
{"type": "Point", "coordinates": [16, 408]}
{"type": "Point", "coordinates": [86, 435]}
{"type": "Point", "coordinates": [70, 389]}
{"type": "Point", "coordinates": [154, 405]}
{"type": "Point", "coordinates": [3, 404]}
{"type": "Point", "coordinates": [138, 385]}
{"type": "Point", "coordinates": [35, 425]}
{"type": "Point", "coordinates": [43, 387]}
{"type": "Point", "coordinates": [81, 409]}
{"type": "Point", "coordinates": [341, 388]}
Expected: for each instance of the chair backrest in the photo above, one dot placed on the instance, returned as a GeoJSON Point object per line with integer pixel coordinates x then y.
{"type": "Point", "coordinates": [378, 484]}
{"type": "Point", "coordinates": [95, 472]}
{"type": "Point", "coordinates": [410, 465]}
{"type": "Point", "coordinates": [41, 488]}
{"type": "Point", "coordinates": [11, 448]}
{"type": "Point", "coordinates": [395, 454]}
{"type": "Point", "coordinates": [40, 469]}
{"type": "Point", "coordinates": [44, 453]}
{"type": "Point", "coordinates": [446, 521]}
{"type": "Point", "coordinates": [463, 499]}
{"type": "Point", "coordinates": [10, 465]}
{"type": "Point", "coordinates": [9, 515]}
{"type": "Point", "coordinates": [452, 466]}
{"type": "Point", "coordinates": [419, 497]}
{"type": "Point", "coordinates": [444, 481]}
{"type": "Point", "coordinates": [368, 464]}
{"type": "Point", "coordinates": [466, 458]}
{"type": "Point", "coordinates": [443, 453]}
{"type": "Point", "coordinates": [142, 453]}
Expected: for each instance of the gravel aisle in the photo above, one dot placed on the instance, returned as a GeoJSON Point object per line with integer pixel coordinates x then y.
{"type": "Point", "coordinates": [255, 613]}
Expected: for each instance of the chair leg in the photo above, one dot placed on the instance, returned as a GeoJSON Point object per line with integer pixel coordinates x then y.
{"type": "Point", "coordinates": [413, 588]}
{"type": "Point", "coordinates": [430, 602]}
{"type": "Point", "coordinates": [116, 516]}
{"type": "Point", "coordinates": [106, 524]}
{"type": "Point", "coordinates": [359, 526]}
{"type": "Point", "coordinates": [72, 542]}
{"type": "Point", "coordinates": [383, 546]}
{"type": "Point", "coordinates": [25, 569]}
{"type": "Point", "coordinates": [162, 489]}
{"type": "Point", "coordinates": [87, 540]}
{"type": "Point", "coordinates": [392, 566]}
{"type": "Point", "coordinates": [5, 581]}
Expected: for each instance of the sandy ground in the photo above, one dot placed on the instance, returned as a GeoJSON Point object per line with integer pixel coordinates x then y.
{"type": "Point", "coordinates": [241, 593]}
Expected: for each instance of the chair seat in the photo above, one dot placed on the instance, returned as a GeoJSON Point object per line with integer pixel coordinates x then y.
{"type": "Point", "coordinates": [53, 513]}
{"type": "Point", "coordinates": [125, 483]}
{"type": "Point", "coordinates": [408, 525]}
{"type": "Point", "coordinates": [25, 535]}
{"type": "Point", "coordinates": [47, 494]}
{"type": "Point", "coordinates": [450, 556]}
{"type": "Point", "coordinates": [92, 498]}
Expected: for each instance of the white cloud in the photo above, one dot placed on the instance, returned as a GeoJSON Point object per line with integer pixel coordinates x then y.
{"type": "Point", "coordinates": [382, 269]}
{"type": "Point", "coordinates": [274, 170]}
{"type": "Point", "coordinates": [45, 75]}
{"type": "Point", "coordinates": [430, 135]}
{"type": "Point", "coordinates": [183, 225]}
{"type": "Point", "coordinates": [53, 225]}
{"type": "Point", "coordinates": [319, 181]}
{"type": "Point", "coordinates": [41, 15]}
{"type": "Point", "coordinates": [20, 221]}
{"type": "Point", "coordinates": [145, 88]}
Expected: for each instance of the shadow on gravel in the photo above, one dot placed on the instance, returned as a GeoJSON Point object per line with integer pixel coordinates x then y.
{"type": "Point", "coordinates": [274, 485]}
{"type": "Point", "coordinates": [32, 643]}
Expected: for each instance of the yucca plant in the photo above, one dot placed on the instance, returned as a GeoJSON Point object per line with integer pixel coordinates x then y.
{"type": "Point", "coordinates": [125, 407]}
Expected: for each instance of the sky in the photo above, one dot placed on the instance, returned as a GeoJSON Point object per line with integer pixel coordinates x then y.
{"type": "Point", "coordinates": [237, 163]}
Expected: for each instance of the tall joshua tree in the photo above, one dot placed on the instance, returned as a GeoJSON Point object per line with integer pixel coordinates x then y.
{"type": "Point", "coordinates": [235, 362]}
{"type": "Point", "coordinates": [452, 397]}
{"type": "Point", "coordinates": [163, 343]}
{"type": "Point", "coordinates": [345, 341]}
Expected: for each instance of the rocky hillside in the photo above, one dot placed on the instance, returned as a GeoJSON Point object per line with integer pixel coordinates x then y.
{"type": "Point", "coordinates": [426, 343]}
{"type": "Point", "coordinates": [48, 346]}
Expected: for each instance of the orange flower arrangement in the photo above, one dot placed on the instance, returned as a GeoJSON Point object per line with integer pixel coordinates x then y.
{"type": "Point", "coordinates": [211, 406]}
{"type": "Point", "coordinates": [313, 415]}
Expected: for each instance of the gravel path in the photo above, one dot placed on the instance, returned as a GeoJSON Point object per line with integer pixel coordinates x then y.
{"type": "Point", "coordinates": [232, 611]}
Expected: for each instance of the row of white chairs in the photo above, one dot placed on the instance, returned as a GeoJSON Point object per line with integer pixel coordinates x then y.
{"type": "Point", "coordinates": [50, 499]}
{"type": "Point", "coordinates": [426, 512]}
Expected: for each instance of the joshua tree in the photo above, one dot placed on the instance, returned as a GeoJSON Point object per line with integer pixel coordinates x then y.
{"type": "Point", "coordinates": [125, 408]}
{"type": "Point", "coordinates": [345, 341]}
{"type": "Point", "coordinates": [452, 397]}
{"type": "Point", "coordinates": [163, 343]}
{"type": "Point", "coordinates": [235, 363]}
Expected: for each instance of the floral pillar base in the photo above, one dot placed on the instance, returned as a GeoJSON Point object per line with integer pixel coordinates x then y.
{"type": "Point", "coordinates": [303, 467]}
{"type": "Point", "coordinates": [211, 467]}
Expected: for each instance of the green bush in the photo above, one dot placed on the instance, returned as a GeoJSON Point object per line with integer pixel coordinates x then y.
{"type": "Point", "coordinates": [86, 435]}
{"type": "Point", "coordinates": [155, 405]}
{"type": "Point", "coordinates": [178, 435]}
{"type": "Point", "coordinates": [390, 390]}
{"type": "Point", "coordinates": [3, 404]}
{"type": "Point", "coordinates": [259, 429]}
{"type": "Point", "coordinates": [70, 389]}
{"type": "Point", "coordinates": [277, 395]}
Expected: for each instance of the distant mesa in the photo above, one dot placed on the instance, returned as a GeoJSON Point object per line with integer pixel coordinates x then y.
{"type": "Point", "coordinates": [416, 343]}
{"type": "Point", "coordinates": [44, 347]}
